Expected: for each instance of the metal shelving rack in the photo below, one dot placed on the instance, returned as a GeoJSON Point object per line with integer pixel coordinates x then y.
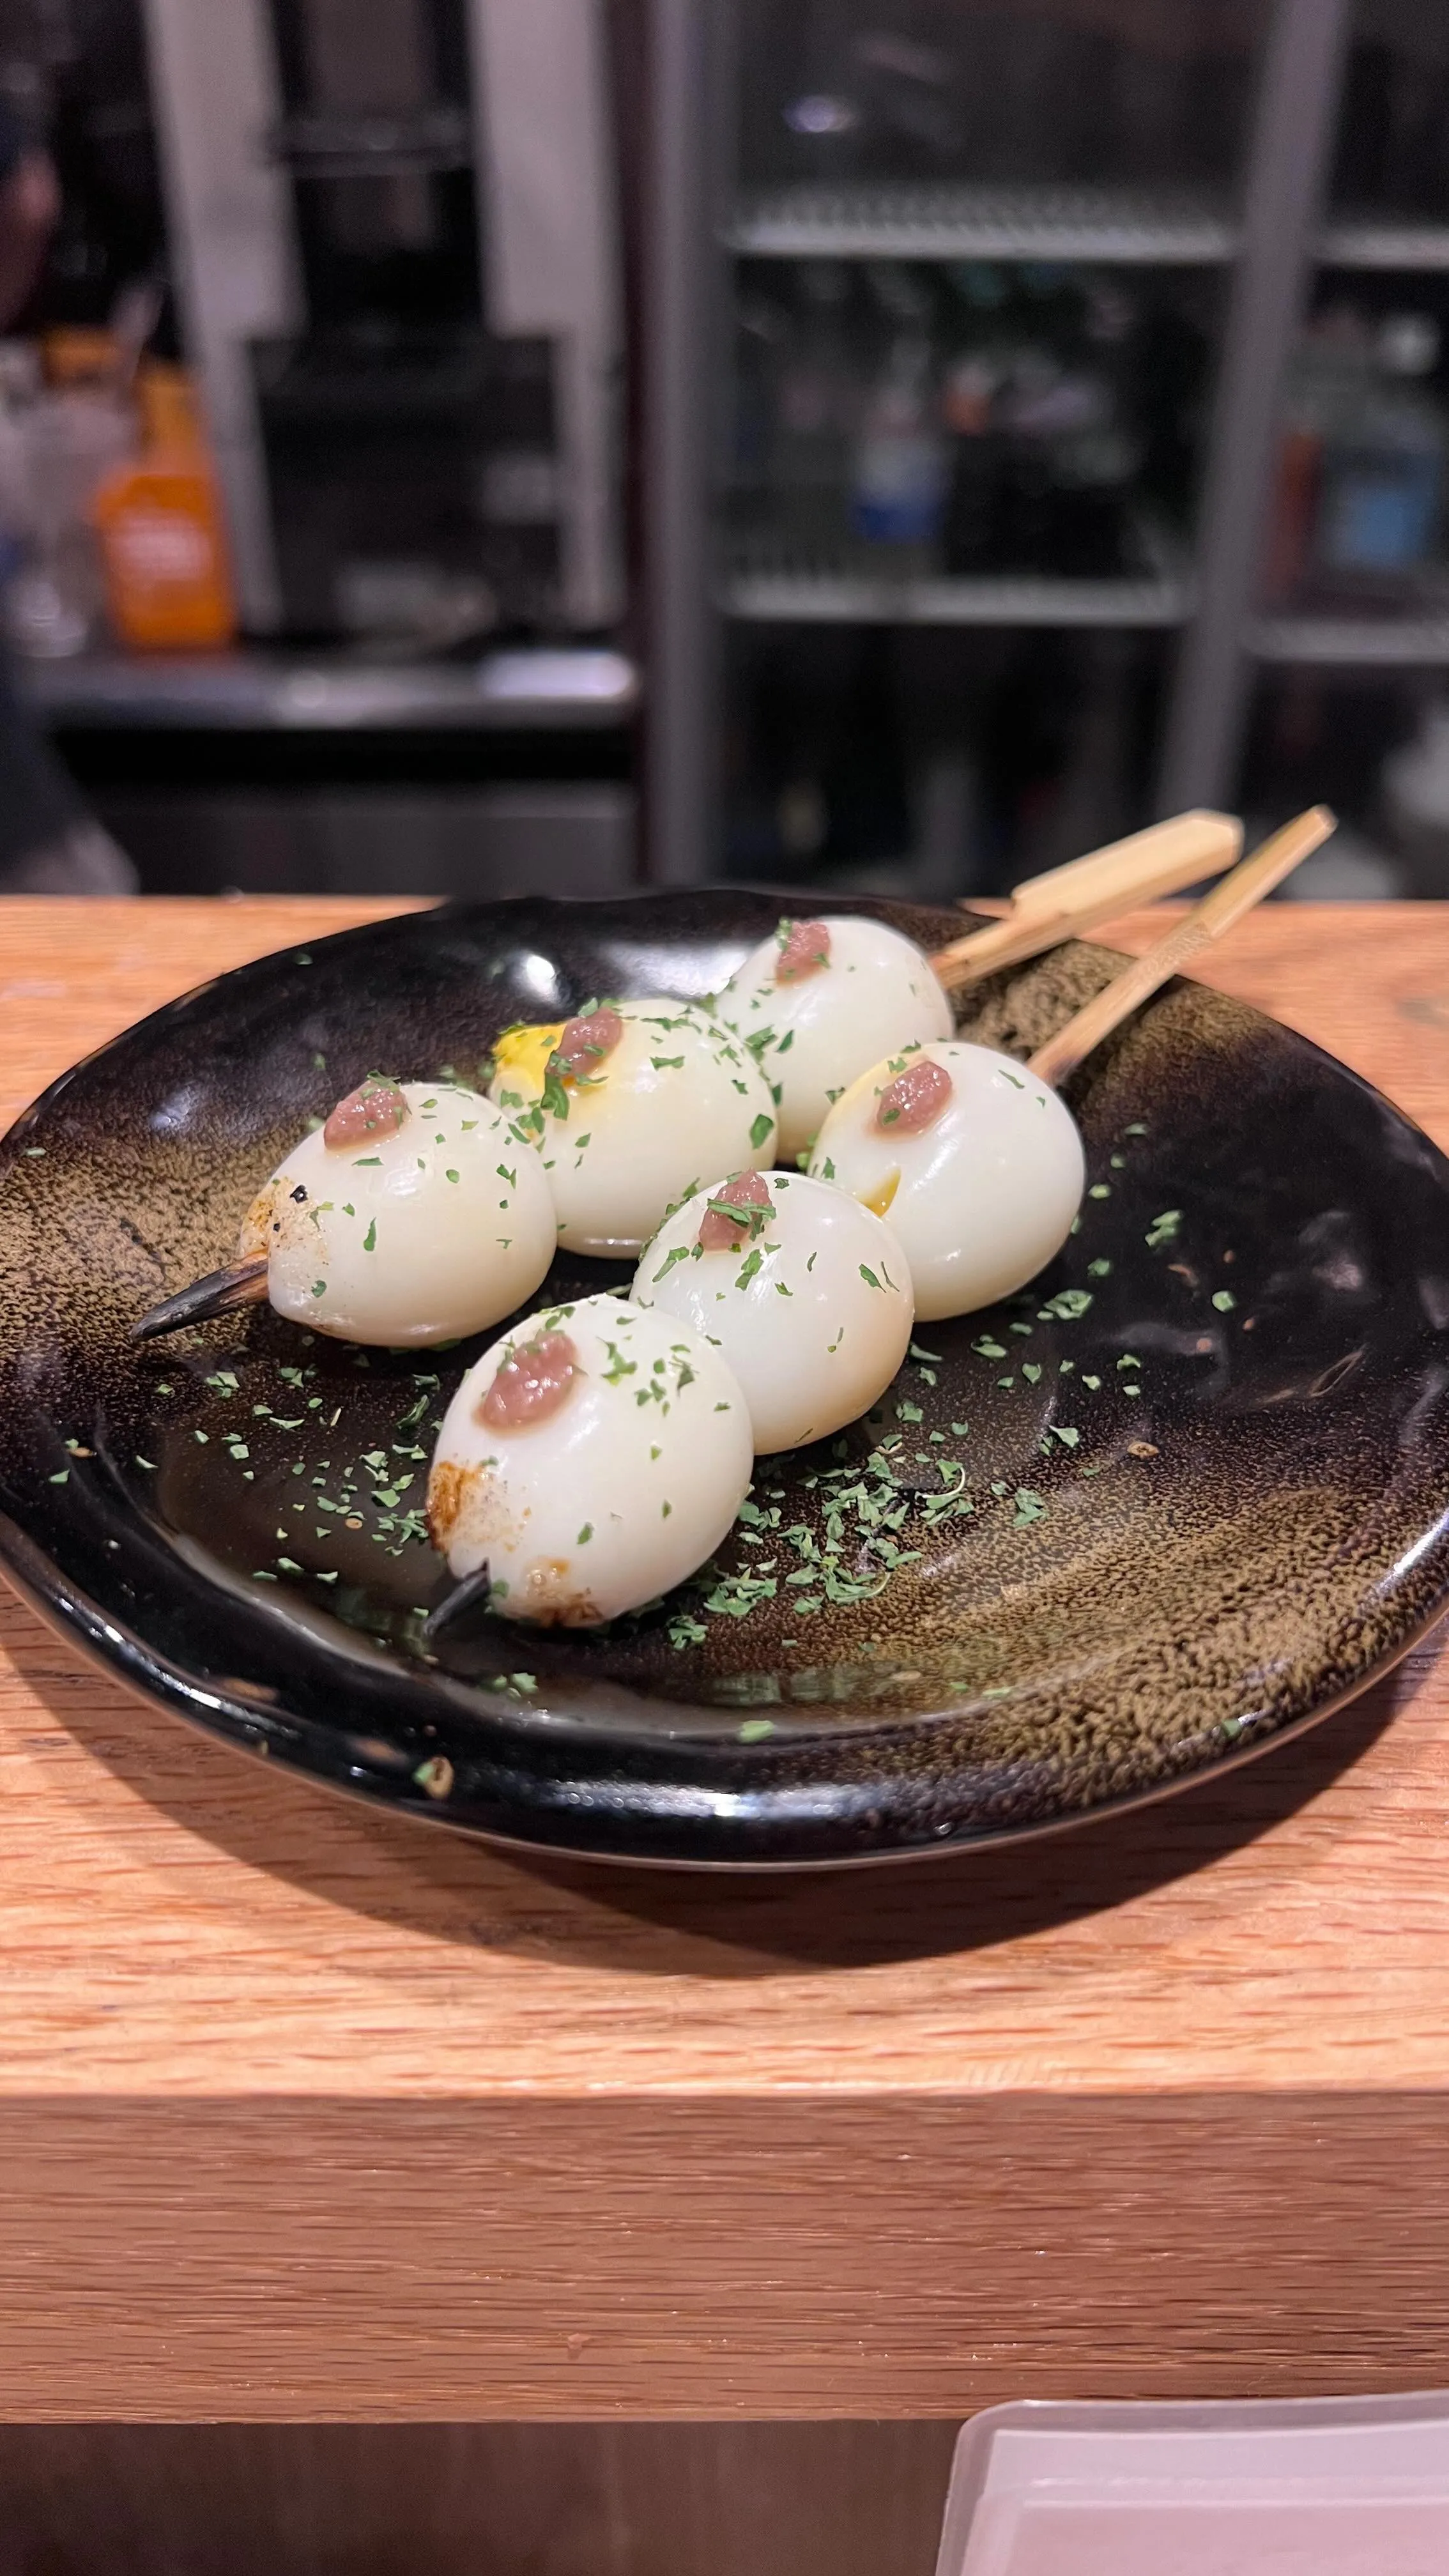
{"type": "Point", "coordinates": [1370, 242]}
{"type": "Point", "coordinates": [1271, 244]}
{"type": "Point", "coordinates": [1287, 237]}
{"type": "Point", "coordinates": [1351, 643]}
{"type": "Point", "coordinates": [539, 688]}
{"type": "Point", "coordinates": [1123, 226]}
{"type": "Point", "coordinates": [1292, 139]}
{"type": "Point", "coordinates": [774, 595]}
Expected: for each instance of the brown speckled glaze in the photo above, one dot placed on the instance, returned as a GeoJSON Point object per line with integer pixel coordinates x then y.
{"type": "Point", "coordinates": [1216, 1557]}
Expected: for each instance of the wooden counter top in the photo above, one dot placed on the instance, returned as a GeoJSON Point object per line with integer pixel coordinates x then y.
{"type": "Point", "coordinates": [307, 2112]}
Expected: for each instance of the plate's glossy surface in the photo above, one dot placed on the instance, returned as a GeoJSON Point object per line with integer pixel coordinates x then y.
{"type": "Point", "coordinates": [1191, 1490]}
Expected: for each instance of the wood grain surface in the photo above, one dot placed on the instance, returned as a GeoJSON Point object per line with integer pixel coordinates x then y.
{"type": "Point", "coordinates": [306, 2112]}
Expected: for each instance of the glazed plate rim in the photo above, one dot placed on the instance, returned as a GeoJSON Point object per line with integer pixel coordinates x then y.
{"type": "Point", "coordinates": [70, 1614]}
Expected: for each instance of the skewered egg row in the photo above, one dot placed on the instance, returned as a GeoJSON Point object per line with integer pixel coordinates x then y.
{"type": "Point", "coordinates": [804, 1291]}
{"type": "Point", "coordinates": [632, 1105]}
{"type": "Point", "coordinates": [818, 1002]}
{"type": "Point", "coordinates": [975, 1162]}
{"type": "Point", "coordinates": [589, 1461]}
{"type": "Point", "coordinates": [416, 1214]}
{"type": "Point", "coordinates": [785, 1300]}
{"type": "Point", "coordinates": [557, 1444]}
{"type": "Point", "coordinates": [419, 1213]}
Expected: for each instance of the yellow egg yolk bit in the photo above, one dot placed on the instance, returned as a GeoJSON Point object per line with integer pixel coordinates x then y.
{"type": "Point", "coordinates": [523, 1052]}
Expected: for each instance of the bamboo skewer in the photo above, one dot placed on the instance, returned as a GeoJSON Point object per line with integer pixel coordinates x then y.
{"type": "Point", "coordinates": [1254, 878]}
{"type": "Point", "coordinates": [1066, 901]}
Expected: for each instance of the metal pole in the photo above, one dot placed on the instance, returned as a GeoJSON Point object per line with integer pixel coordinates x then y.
{"type": "Point", "coordinates": [229, 219]}
{"type": "Point", "coordinates": [548, 243]}
{"type": "Point", "coordinates": [1293, 130]}
{"type": "Point", "coordinates": [679, 386]}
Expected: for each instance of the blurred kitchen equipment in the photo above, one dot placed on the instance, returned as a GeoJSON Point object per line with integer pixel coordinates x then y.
{"type": "Point", "coordinates": [405, 308]}
{"type": "Point", "coordinates": [1358, 495]}
{"type": "Point", "coordinates": [1415, 790]}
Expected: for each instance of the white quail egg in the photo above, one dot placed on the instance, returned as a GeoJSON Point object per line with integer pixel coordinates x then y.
{"type": "Point", "coordinates": [976, 1163]}
{"type": "Point", "coordinates": [632, 1105]}
{"type": "Point", "coordinates": [805, 1292]}
{"type": "Point", "coordinates": [821, 1001]}
{"type": "Point", "coordinates": [591, 1460]}
{"type": "Point", "coordinates": [416, 1214]}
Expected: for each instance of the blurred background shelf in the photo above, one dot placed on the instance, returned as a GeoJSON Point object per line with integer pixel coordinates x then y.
{"type": "Point", "coordinates": [559, 689]}
{"type": "Point", "coordinates": [1124, 226]}
{"type": "Point", "coordinates": [780, 597]}
{"type": "Point", "coordinates": [1352, 643]}
{"type": "Point", "coordinates": [887, 443]}
{"type": "Point", "coordinates": [340, 146]}
{"type": "Point", "coordinates": [1414, 248]}
{"type": "Point", "coordinates": [992, 291]}
{"type": "Point", "coordinates": [266, 771]}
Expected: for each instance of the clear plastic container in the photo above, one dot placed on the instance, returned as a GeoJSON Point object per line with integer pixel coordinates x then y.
{"type": "Point", "coordinates": [1311, 2487]}
{"type": "Point", "coordinates": [69, 442]}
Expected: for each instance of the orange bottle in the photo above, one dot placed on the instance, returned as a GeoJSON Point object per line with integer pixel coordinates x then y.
{"type": "Point", "coordinates": [159, 522]}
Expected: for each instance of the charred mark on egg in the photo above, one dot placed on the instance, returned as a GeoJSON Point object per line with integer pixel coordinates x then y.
{"type": "Point", "coordinates": [611, 1463]}
{"type": "Point", "coordinates": [415, 1215]}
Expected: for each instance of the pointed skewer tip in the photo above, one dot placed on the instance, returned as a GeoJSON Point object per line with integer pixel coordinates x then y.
{"type": "Point", "coordinates": [242, 1283]}
{"type": "Point", "coordinates": [471, 1591]}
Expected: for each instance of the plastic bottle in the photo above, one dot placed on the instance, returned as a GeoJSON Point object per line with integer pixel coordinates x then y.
{"type": "Point", "coordinates": [899, 484]}
{"type": "Point", "coordinates": [1323, 398]}
{"type": "Point", "coordinates": [817, 402]}
{"type": "Point", "coordinates": [1415, 789]}
{"type": "Point", "coordinates": [69, 442]}
{"type": "Point", "coordinates": [19, 386]}
{"type": "Point", "coordinates": [1383, 468]}
{"type": "Point", "coordinates": [973, 508]}
{"type": "Point", "coordinates": [163, 543]}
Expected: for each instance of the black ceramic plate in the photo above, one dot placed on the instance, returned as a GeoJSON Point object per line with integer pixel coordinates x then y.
{"type": "Point", "coordinates": [1204, 1458]}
